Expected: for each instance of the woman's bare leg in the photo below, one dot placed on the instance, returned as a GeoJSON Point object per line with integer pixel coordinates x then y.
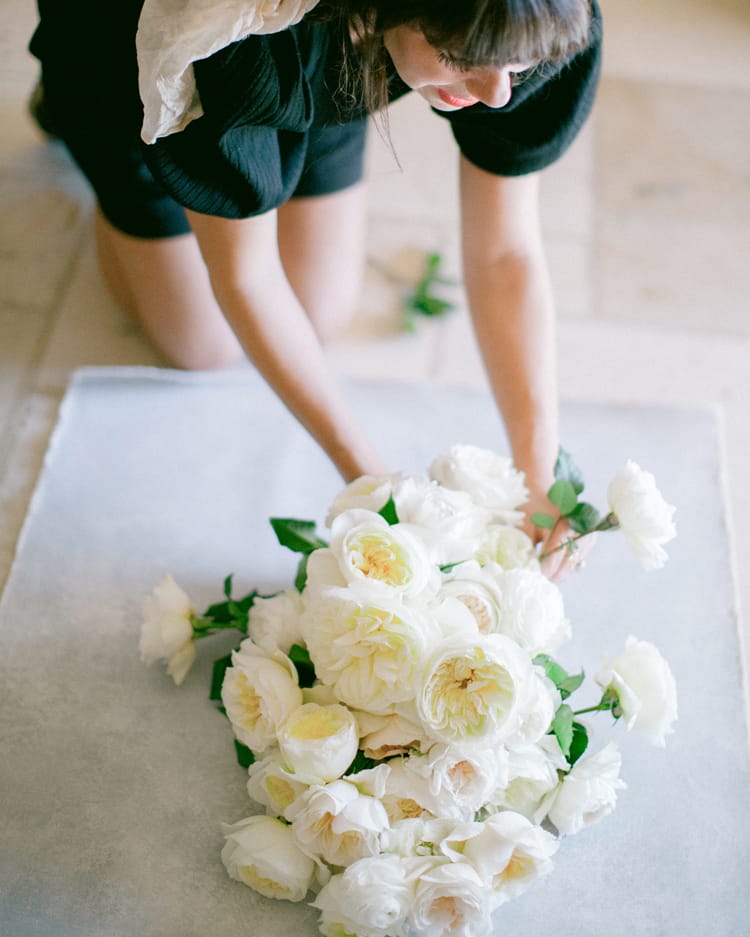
{"type": "Point", "coordinates": [163, 283]}
{"type": "Point", "coordinates": [322, 248]}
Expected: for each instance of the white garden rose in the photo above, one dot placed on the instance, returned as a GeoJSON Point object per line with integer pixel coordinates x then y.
{"type": "Point", "coordinates": [532, 775]}
{"type": "Point", "coordinates": [407, 794]}
{"type": "Point", "coordinates": [642, 514]}
{"type": "Point", "coordinates": [368, 493]}
{"type": "Point", "coordinates": [645, 688]}
{"type": "Point", "coordinates": [532, 612]}
{"type": "Point", "coordinates": [167, 632]}
{"type": "Point", "coordinates": [510, 853]}
{"type": "Point", "coordinates": [262, 852]}
{"type": "Point", "coordinates": [537, 709]}
{"type": "Point", "coordinates": [386, 735]}
{"type": "Point", "coordinates": [459, 781]}
{"type": "Point", "coordinates": [338, 823]}
{"type": "Point", "coordinates": [318, 743]}
{"type": "Point", "coordinates": [372, 898]}
{"type": "Point", "coordinates": [478, 588]}
{"type": "Point", "coordinates": [369, 650]}
{"type": "Point", "coordinates": [588, 792]}
{"type": "Point", "coordinates": [387, 558]}
{"type": "Point", "coordinates": [259, 692]}
{"type": "Point", "coordinates": [273, 622]}
{"type": "Point", "coordinates": [272, 784]}
{"type": "Point", "coordinates": [490, 479]}
{"type": "Point", "coordinates": [507, 546]}
{"type": "Point", "coordinates": [450, 898]}
{"type": "Point", "coordinates": [472, 688]}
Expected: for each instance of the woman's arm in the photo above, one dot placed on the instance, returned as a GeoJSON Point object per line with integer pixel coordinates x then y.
{"type": "Point", "coordinates": [512, 308]}
{"type": "Point", "coordinates": [251, 287]}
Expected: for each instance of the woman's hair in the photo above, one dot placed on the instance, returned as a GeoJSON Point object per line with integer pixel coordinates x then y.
{"type": "Point", "coordinates": [474, 32]}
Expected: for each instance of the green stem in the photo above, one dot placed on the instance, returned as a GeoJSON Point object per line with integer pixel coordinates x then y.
{"type": "Point", "coordinates": [203, 627]}
{"type": "Point", "coordinates": [591, 709]}
{"type": "Point", "coordinates": [606, 523]}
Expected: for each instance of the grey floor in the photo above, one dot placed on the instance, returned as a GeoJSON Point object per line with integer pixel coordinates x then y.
{"type": "Point", "coordinates": [647, 223]}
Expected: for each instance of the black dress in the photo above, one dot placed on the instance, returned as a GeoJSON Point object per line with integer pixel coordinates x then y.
{"type": "Point", "coordinates": [274, 125]}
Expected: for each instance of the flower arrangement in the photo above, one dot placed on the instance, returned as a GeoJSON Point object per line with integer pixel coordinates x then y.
{"type": "Point", "coordinates": [409, 736]}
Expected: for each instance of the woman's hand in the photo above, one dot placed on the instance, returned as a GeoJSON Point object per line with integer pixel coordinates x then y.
{"type": "Point", "coordinates": [560, 554]}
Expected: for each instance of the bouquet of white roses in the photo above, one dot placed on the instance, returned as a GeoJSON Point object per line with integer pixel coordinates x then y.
{"type": "Point", "coordinates": [405, 726]}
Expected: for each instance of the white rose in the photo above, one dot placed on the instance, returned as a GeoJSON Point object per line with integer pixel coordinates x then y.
{"type": "Point", "coordinates": [372, 898]}
{"type": "Point", "coordinates": [368, 493]}
{"type": "Point", "coordinates": [532, 611]}
{"type": "Point", "coordinates": [532, 774]}
{"type": "Point", "coordinates": [167, 631]}
{"type": "Point", "coordinates": [507, 546]}
{"type": "Point", "coordinates": [383, 736]}
{"type": "Point", "coordinates": [478, 588]}
{"type": "Point", "coordinates": [450, 898]}
{"type": "Point", "coordinates": [338, 823]}
{"type": "Point", "coordinates": [642, 513]}
{"type": "Point", "coordinates": [510, 853]}
{"type": "Point", "coordinates": [588, 792]}
{"type": "Point", "coordinates": [407, 794]}
{"type": "Point", "coordinates": [537, 709]}
{"type": "Point", "coordinates": [273, 622]}
{"type": "Point", "coordinates": [448, 521]}
{"type": "Point", "coordinates": [388, 559]}
{"type": "Point", "coordinates": [273, 785]}
{"type": "Point", "coordinates": [472, 688]}
{"type": "Point", "coordinates": [317, 742]}
{"type": "Point", "coordinates": [261, 852]}
{"type": "Point", "coordinates": [258, 693]}
{"type": "Point", "coordinates": [405, 838]}
{"type": "Point", "coordinates": [490, 479]}
{"type": "Point", "coordinates": [369, 651]}
{"type": "Point", "coordinates": [459, 781]}
{"type": "Point", "coordinates": [645, 687]}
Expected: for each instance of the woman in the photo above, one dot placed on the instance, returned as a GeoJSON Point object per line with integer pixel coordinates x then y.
{"type": "Point", "coordinates": [230, 202]}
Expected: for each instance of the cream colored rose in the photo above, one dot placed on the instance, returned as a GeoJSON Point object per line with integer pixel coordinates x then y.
{"type": "Point", "coordinates": [338, 823]}
{"type": "Point", "coordinates": [532, 612]}
{"type": "Point", "coordinates": [644, 685]}
{"type": "Point", "coordinates": [450, 898]}
{"type": "Point", "coordinates": [262, 853]}
{"type": "Point", "coordinates": [642, 513]}
{"type": "Point", "coordinates": [369, 650]}
{"type": "Point", "coordinates": [537, 709]}
{"type": "Point", "coordinates": [386, 735]}
{"type": "Point", "coordinates": [273, 622]}
{"type": "Point", "coordinates": [478, 588]}
{"type": "Point", "coordinates": [490, 479]}
{"type": "Point", "coordinates": [472, 688]}
{"type": "Point", "coordinates": [508, 547]}
{"type": "Point", "coordinates": [368, 493]}
{"type": "Point", "coordinates": [272, 784]}
{"type": "Point", "coordinates": [259, 692]}
{"type": "Point", "coordinates": [317, 742]}
{"type": "Point", "coordinates": [387, 558]}
{"type": "Point", "coordinates": [167, 631]}
{"type": "Point", "coordinates": [588, 792]}
{"type": "Point", "coordinates": [459, 781]}
{"type": "Point", "coordinates": [532, 775]}
{"type": "Point", "coordinates": [372, 898]}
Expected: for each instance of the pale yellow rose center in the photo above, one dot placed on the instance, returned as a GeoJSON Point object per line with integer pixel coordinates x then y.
{"type": "Point", "coordinates": [519, 867]}
{"type": "Point", "coordinates": [463, 693]}
{"type": "Point", "coordinates": [249, 701]}
{"type": "Point", "coordinates": [266, 886]}
{"type": "Point", "coordinates": [461, 774]}
{"type": "Point", "coordinates": [280, 791]}
{"type": "Point", "coordinates": [378, 559]}
{"type": "Point", "coordinates": [448, 907]}
{"type": "Point", "coordinates": [319, 724]}
{"type": "Point", "coordinates": [479, 608]}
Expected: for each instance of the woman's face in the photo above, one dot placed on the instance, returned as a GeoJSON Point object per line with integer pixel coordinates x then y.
{"type": "Point", "coordinates": [442, 81]}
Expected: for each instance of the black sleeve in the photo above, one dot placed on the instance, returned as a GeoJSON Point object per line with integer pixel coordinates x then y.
{"type": "Point", "coordinates": [540, 122]}
{"type": "Point", "coordinates": [245, 155]}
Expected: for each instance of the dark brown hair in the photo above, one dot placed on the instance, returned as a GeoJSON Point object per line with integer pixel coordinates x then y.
{"type": "Point", "coordinates": [475, 32]}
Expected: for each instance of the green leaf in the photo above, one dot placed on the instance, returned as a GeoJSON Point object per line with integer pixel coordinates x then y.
{"type": "Point", "coordinates": [217, 676]}
{"type": "Point", "coordinates": [570, 684]}
{"type": "Point", "coordinates": [540, 519]}
{"type": "Point", "coordinates": [579, 744]}
{"type": "Point", "coordinates": [361, 763]}
{"type": "Point", "coordinates": [562, 728]}
{"type": "Point", "coordinates": [228, 585]}
{"type": "Point", "coordinates": [388, 511]}
{"type": "Point", "coordinates": [553, 670]}
{"type": "Point", "coordinates": [244, 756]}
{"type": "Point", "coordinates": [300, 657]}
{"type": "Point", "coordinates": [300, 579]}
{"type": "Point", "coordinates": [567, 470]}
{"type": "Point", "coordinates": [563, 494]}
{"type": "Point", "coordinates": [584, 517]}
{"type": "Point", "coordinates": [298, 536]}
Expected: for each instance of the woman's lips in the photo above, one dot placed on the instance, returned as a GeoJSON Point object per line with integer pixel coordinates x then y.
{"type": "Point", "coordinates": [454, 101]}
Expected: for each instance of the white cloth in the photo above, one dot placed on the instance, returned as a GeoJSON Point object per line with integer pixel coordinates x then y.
{"type": "Point", "coordinates": [172, 34]}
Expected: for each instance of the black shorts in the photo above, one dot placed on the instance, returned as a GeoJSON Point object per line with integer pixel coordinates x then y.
{"type": "Point", "coordinates": [109, 152]}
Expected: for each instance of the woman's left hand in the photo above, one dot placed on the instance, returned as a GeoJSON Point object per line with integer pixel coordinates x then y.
{"type": "Point", "coordinates": [560, 549]}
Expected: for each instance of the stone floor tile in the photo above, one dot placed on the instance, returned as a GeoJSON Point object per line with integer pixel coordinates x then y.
{"type": "Point", "coordinates": [21, 335]}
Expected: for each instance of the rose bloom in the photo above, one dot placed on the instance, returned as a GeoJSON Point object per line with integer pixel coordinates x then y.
{"type": "Point", "coordinates": [508, 547]}
{"type": "Point", "coordinates": [368, 493]}
{"type": "Point", "coordinates": [259, 692]}
{"type": "Point", "coordinates": [490, 479]}
{"type": "Point", "coordinates": [338, 823]}
{"type": "Point", "coordinates": [273, 622]}
{"type": "Point", "coordinates": [167, 632]}
{"type": "Point", "coordinates": [272, 784]}
{"type": "Point", "coordinates": [459, 782]}
{"type": "Point", "coordinates": [318, 743]}
{"type": "Point", "coordinates": [386, 735]}
{"type": "Point", "coordinates": [532, 612]}
{"type": "Point", "coordinates": [262, 853]}
{"type": "Point", "coordinates": [532, 775]}
{"type": "Point", "coordinates": [472, 688]}
{"type": "Point", "coordinates": [642, 513]}
{"type": "Point", "coordinates": [588, 792]}
{"type": "Point", "coordinates": [537, 709]}
{"type": "Point", "coordinates": [645, 688]}
{"type": "Point", "coordinates": [387, 558]}
{"type": "Point", "coordinates": [372, 898]}
{"type": "Point", "coordinates": [370, 650]}
{"type": "Point", "coordinates": [478, 588]}
{"type": "Point", "coordinates": [450, 898]}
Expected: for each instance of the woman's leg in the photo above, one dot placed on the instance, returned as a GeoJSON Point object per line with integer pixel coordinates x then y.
{"type": "Point", "coordinates": [322, 248]}
{"type": "Point", "coordinates": [164, 285]}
